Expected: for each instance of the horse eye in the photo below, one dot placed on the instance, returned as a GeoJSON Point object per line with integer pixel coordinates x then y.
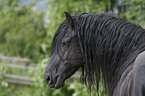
{"type": "Point", "coordinates": [65, 43]}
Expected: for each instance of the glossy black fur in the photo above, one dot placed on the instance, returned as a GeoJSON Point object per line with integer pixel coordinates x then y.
{"type": "Point", "coordinates": [109, 47]}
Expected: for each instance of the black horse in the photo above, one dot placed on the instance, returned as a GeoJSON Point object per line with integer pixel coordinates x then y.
{"type": "Point", "coordinates": [106, 47]}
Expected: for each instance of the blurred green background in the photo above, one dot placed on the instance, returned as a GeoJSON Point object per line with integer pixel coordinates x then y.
{"type": "Point", "coordinates": [26, 31]}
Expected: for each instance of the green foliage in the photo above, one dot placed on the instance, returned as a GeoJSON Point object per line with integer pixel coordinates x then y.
{"type": "Point", "coordinates": [134, 11]}
{"type": "Point", "coordinates": [16, 90]}
{"type": "Point", "coordinates": [78, 91]}
{"type": "Point", "coordinates": [3, 83]}
{"type": "Point", "coordinates": [3, 70]}
{"type": "Point", "coordinates": [21, 31]}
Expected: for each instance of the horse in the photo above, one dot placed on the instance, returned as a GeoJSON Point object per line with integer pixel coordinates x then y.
{"type": "Point", "coordinates": [106, 47]}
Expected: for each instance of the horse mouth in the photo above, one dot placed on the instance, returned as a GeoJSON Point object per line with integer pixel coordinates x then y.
{"type": "Point", "coordinates": [57, 83]}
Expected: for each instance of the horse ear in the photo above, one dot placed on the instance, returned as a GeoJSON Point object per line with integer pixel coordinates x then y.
{"type": "Point", "coordinates": [75, 13]}
{"type": "Point", "coordinates": [69, 19]}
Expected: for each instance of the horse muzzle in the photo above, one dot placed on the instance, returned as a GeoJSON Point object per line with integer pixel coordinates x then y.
{"type": "Point", "coordinates": [54, 82]}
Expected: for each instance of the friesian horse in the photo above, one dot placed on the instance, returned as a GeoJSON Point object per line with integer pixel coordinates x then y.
{"type": "Point", "coordinates": [106, 47]}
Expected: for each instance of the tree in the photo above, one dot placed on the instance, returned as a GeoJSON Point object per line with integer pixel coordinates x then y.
{"type": "Point", "coordinates": [133, 10]}
{"type": "Point", "coordinates": [21, 30]}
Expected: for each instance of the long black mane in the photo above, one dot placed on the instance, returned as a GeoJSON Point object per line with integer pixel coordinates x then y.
{"type": "Point", "coordinates": [109, 44]}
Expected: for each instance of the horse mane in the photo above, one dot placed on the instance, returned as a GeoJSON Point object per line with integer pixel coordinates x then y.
{"type": "Point", "coordinates": [110, 45]}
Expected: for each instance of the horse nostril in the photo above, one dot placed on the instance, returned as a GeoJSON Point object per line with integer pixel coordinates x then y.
{"type": "Point", "coordinates": [51, 81]}
{"type": "Point", "coordinates": [47, 78]}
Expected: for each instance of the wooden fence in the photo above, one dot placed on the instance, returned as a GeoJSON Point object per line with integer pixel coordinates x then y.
{"type": "Point", "coordinates": [15, 63]}
{"type": "Point", "coordinates": [22, 64]}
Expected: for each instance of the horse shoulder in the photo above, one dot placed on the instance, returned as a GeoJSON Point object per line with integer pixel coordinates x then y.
{"type": "Point", "coordinates": [132, 81]}
{"type": "Point", "coordinates": [124, 85]}
{"type": "Point", "coordinates": [139, 75]}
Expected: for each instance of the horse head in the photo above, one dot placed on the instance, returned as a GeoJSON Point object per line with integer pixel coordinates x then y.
{"type": "Point", "coordinates": [66, 56]}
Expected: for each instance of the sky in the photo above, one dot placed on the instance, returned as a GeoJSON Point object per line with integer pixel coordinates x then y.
{"type": "Point", "coordinates": [41, 4]}
{"type": "Point", "coordinates": [29, 1]}
{"type": "Point", "coordinates": [26, 1]}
